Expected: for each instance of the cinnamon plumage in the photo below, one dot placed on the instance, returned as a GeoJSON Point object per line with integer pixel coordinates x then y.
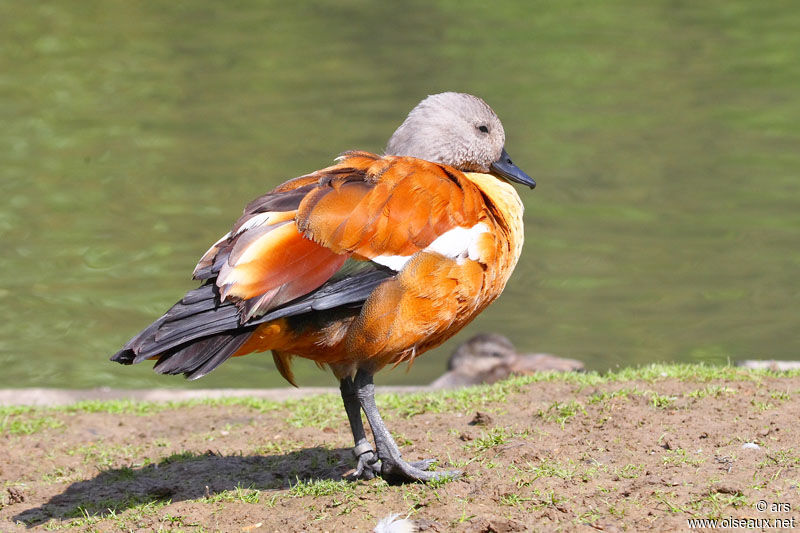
{"type": "Point", "coordinates": [363, 264]}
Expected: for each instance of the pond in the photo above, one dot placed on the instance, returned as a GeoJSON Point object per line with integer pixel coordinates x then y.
{"type": "Point", "coordinates": [664, 137]}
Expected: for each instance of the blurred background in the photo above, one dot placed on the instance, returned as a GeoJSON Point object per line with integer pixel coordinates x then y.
{"type": "Point", "coordinates": [664, 137]}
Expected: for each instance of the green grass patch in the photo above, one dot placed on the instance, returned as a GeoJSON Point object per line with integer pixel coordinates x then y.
{"type": "Point", "coordinates": [326, 410]}
{"type": "Point", "coordinates": [278, 447]}
{"type": "Point", "coordinates": [320, 487]}
{"type": "Point", "coordinates": [137, 407]}
{"type": "Point", "coordinates": [604, 396]}
{"type": "Point", "coordinates": [713, 391]}
{"type": "Point", "coordinates": [781, 458]}
{"type": "Point", "coordinates": [681, 457]}
{"type": "Point", "coordinates": [20, 425]}
{"type": "Point", "coordinates": [238, 494]}
{"type": "Point", "coordinates": [495, 437]}
{"type": "Point", "coordinates": [661, 401]}
{"type": "Point", "coordinates": [448, 401]}
{"type": "Point", "coordinates": [715, 504]}
{"type": "Point", "coordinates": [561, 412]}
{"type": "Point", "coordinates": [630, 471]}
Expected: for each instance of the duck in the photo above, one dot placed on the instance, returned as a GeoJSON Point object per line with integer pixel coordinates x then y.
{"type": "Point", "coordinates": [490, 357]}
{"type": "Point", "coordinates": [364, 264]}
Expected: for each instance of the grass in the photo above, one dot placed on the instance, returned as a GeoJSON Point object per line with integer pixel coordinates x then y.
{"type": "Point", "coordinates": [83, 516]}
{"type": "Point", "coordinates": [630, 471]}
{"type": "Point", "coordinates": [83, 519]}
{"type": "Point", "coordinates": [278, 447]}
{"type": "Point", "coordinates": [550, 469]}
{"type": "Point", "coordinates": [104, 455]}
{"type": "Point", "coordinates": [325, 410]}
{"type": "Point", "coordinates": [605, 396]}
{"type": "Point", "coordinates": [781, 458]}
{"type": "Point", "coordinates": [780, 395]}
{"type": "Point", "coordinates": [529, 483]}
{"type": "Point", "coordinates": [661, 401]}
{"type": "Point", "coordinates": [238, 494]}
{"type": "Point", "coordinates": [561, 412]}
{"type": "Point", "coordinates": [320, 487]}
{"type": "Point", "coordinates": [144, 408]}
{"type": "Point", "coordinates": [714, 504]}
{"type": "Point", "coordinates": [495, 437]}
{"type": "Point", "coordinates": [16, 425]}
{"type": "Point", "coordinates": [681, 457]}
{"type": "Point", "coordinates": [714, 391]}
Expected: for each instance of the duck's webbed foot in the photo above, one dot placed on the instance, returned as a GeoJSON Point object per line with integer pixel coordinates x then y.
{"type": "Point", "coordinates": [369, 466]}
{"type": "Point", "coordinates": [396, 471]}
{"type": "Point", "coordinates": [392, 466]}
{"type": "Point", "coordinates": [424, 464]}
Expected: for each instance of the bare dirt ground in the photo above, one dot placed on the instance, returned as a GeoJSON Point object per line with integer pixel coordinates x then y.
{"type": "Point", "coordinates": [555, 453]}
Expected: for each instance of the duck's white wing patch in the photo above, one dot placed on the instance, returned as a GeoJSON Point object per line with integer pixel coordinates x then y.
{"type": "Point", "coordinates": [458, 243]}
{"type": "Point", "coordinates": [395, 262]}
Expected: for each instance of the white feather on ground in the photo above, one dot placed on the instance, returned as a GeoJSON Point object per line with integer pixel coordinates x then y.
{"type": "Point", "coordinates": [391, 524]}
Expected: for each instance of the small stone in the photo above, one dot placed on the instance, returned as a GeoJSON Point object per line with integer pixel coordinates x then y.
{"type": "Point", "coordinates": [423, 524]}
{"type": "Point", "coordinates": [750, 446]}
{"type": "Point", "coordinates": [15, 495]}
{"type": "Point", "coordinates": [727, 489]}
{"type": "Point", "coordinates": [480, 419]}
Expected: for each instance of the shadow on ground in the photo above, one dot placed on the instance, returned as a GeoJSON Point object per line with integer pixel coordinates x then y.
{"type": "Point", "coordinates": [188, 476]}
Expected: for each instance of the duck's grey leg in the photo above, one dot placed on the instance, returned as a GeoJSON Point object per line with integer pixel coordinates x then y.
{"type": "Point", "coordinates": [368, 466]}
{"type": "Point", "coordinates": [392, 466]}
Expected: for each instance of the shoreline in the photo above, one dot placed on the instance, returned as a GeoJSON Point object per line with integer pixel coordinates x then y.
{"type": "Point", "coordinates": [46, 397]}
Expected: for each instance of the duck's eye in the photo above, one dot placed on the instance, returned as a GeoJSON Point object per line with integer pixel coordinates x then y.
{"type": "Point", "coordinates": [484, 129]}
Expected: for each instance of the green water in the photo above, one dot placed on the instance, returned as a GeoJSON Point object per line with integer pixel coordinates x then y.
{"type": "Point", "coordinates": [664, 136]}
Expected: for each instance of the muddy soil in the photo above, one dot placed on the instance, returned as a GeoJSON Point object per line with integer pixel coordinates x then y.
{"type": "Point", "coordinates": [558, 455]}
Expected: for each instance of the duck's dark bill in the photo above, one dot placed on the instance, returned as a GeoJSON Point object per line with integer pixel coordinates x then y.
{"type": "Point", "coordinates": [503, 167]}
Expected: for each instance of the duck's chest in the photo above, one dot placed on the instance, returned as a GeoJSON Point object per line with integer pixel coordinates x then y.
{"type": "Point", "coordinates": [502, 246]}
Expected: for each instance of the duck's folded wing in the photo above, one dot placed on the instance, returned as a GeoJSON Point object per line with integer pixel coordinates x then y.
{"type": "Point", "coordinates": [391, 209]}
{"type": "Point", "coordinates": [377, 209]}
{"type": "Point", "coordinates": [318, 242]}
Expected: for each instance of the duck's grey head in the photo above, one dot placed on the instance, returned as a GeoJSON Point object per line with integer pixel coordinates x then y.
{"type": "Point", "coordinates": [459, 130]}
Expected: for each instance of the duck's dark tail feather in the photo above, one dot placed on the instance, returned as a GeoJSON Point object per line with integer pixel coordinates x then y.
{"type": "Point", "coordinates": [197, 359]}
{"type": "Point", "coordinates": [199, 332]}
{"type": "Point", "coordinates": [194, 337]}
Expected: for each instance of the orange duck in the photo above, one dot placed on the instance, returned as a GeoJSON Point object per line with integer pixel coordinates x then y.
{"type": "Point", "coordinates": [363, 264]}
